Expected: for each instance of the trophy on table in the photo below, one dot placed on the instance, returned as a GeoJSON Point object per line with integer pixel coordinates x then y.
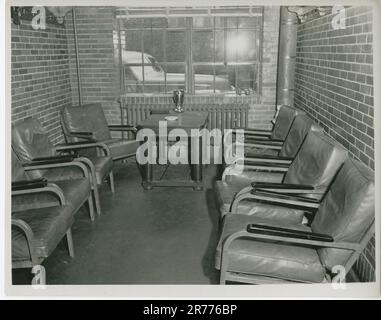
{"type": "Point", "coordinates": [178, 99]}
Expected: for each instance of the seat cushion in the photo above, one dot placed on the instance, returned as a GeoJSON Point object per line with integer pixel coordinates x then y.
{"type": "Point", "coordinates": [122, 148]}
{"type": "Point", "coordinates": [63, 173]}
{"type": "Point", "coordinates": [270, 259]}
{"type": "Point", "coordinates": [103, 167]}
{"type": "Point", "coordinates": [247, 176]}
{"type": "Point", "coordinates": [49, 225]}
{"type": "Point", "coordinates": [226, 193]}
{"type": "Point", "coordinates": [76, 192]}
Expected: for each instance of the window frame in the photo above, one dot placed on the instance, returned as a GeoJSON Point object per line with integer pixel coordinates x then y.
{"type": "Point", "coordinates": [189, 63]}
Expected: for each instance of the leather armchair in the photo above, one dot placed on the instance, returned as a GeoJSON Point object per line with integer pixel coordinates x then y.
{"type": "Point", "coordinates": [310, 173]}
{"type": "Point", "coordinates": [281, 126]}
{"type": "Point", "coordinates": [260, 251]}
{"type": "Point", "coordinates": [32, 144]}
{"type": "Point", "coordinates": [283, 151]}
{"type": "Point", "coordinates": [72, 192]}
{"type": "Point", "coordinates": [43, 212]}
{"type": "Point", "coordinates": [89, 122]}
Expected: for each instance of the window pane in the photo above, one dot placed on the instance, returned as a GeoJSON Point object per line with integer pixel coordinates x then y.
{"type": "Point", "coordinates": [202, 22]}
{"type": "Point", "coordinates": [153, 44]}
{"type": "Point", "coordinates": [202, 46]}
{"type": "Point", "coordinates": [175, 46]}
{"type": "Point", "coordinates": [220, 45]}
{"type": "Point", "coordinates": [178, 22]}
{"type": "Point", "coordinates": [203, 79]}
{"type": "Point", "coordinates": [246, 79]}
{"type": "Point", "coordinates": [226, 73]}
{"type": "Point", "coordinates": [232, 22]}
{"type": "Point", "coordinates": [175, 80]}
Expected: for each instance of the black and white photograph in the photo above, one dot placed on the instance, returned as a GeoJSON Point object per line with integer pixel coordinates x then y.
{"type": "Point", "coordinates": [225, 148]}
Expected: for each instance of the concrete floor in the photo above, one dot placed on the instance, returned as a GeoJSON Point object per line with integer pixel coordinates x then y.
{"type": "Point", "coordinates": [161, 236]}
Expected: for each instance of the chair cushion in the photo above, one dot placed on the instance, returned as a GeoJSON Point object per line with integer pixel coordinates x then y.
{"type": "Point", "coordinates": [284, 121]}
{"type": "Point", "coordinates": [86, 118]}
{"type": "Point", "coordinates": [248, 176]}
{"type": "Point", "coordinates": [271, 259]}
{"type": "Point", "coordinates": [226, 193]}
{"type": "Point", "coordinates": [76, 192]}
{"type": "Point", "coordinates": [347, 211]}
{"type": "Point", "coordinates": [317, 161]}
{"type": "Point", "coordinates": [49, 225]}
{"type": "Point", "coordinates": [301, 126]}
{"type": "Point", "coordinates": [122, 148]}
{"type": "Point", "coordinates": [103, 167]}
{"type": "Point", "coordinates": [18, 172]}
{"type": "Point", "coordinates": [64, 173]}
{"type": "Point", "coordinates": [29, 141]}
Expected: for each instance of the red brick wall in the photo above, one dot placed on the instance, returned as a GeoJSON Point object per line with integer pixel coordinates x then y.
{"type": "Point", "coordinates": [40, 80]}
{"type": "Point", "coordinates": [334, 84]}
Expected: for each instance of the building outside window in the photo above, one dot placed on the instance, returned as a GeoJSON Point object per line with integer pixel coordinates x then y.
{"type": "Point", "coordinates": [200, 53]}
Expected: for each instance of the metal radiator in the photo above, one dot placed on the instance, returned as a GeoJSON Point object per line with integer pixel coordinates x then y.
{"type": "Point", "coordinates": [221, 116]}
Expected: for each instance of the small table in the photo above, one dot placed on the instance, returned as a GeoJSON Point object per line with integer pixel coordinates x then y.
{"type": "Point", "coordinates": [186, 121]}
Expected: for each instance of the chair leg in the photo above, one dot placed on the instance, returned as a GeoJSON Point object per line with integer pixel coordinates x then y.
{"type": "Point", "coordinates": [70, 245]}
{"type": "Point", "coordinates": [91, 207]}
{"type": "Point", "coordinates": [97, 200]}
{"type": "Point", "coordinates": [111, 175]}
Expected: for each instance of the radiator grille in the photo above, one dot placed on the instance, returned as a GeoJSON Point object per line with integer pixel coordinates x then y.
{"type": "Point", "coordinates": [220, 116]}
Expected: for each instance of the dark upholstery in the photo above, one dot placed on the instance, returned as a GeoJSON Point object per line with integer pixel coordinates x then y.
{"type": "Point", "coordinates": [49, 226]}
{"type": "Point", "coordinates": [91, 118]}
{"type": "Point", "coordinates": [29, 141]}
{"type": "Point", "coordinates": [76, 191]}
{"type": "Point", "coordinates": [284, 122]}
{"type": "Point", "coordinates": [316, 164]}
{"type": "Point", "coordinates": [301, 126]}
{"type": "Point", "coordinates": [271, 259]}
{"type": "Point", "coordinates": [346, 213]}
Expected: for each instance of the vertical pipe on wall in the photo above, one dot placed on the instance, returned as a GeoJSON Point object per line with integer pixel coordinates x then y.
{"type": "Point", "coordinates": [286, 57]}
{"type": "Point", "coordinates": [77, 58]}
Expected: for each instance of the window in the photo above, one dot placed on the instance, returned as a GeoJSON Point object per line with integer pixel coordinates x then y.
{"type": "Point", "coordinates": [203, 54]}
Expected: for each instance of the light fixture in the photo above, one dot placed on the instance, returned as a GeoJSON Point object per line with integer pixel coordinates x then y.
{"type": "Point", "coordinates": [59, 12]}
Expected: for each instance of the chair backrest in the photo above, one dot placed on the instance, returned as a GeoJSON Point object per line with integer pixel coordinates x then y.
{"type": "Point", "coordinates": [30, 140]}
{"type": "Point", "coordinates": [318, 160]}
{"type": "Point", "coordinates": [88, 118]}
{"type": "Point", "coordinates": [347, 213]}
{"type": "Point", "coordinates": [301, 126]}
{"type": "Point", "coordinates": [18, 172]}
{"type": "Point", "coordinates": [284, 121]}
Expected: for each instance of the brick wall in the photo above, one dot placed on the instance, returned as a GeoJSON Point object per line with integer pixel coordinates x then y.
{"type": "Point", "coordinates": [100, 74]}
{"type": "Point", "coordinates": [262, 112]}
{"type": "Point", "coordinates": [40, 81]}
{"type": "Point", "coordinates": [334, 84]}
{"type": "Point", "coordinates": [98, 69]}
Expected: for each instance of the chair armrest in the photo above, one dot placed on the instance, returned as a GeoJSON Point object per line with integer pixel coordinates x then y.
{"type": "Point", "coordinates": [49, 160]}
{"type": "Point", "coordinates": [273, 198]}
{"type": "Point", "coordinates": [259, 145]}
{"type": "Point", "coordinates": [282, 187]}
{"type": "Point", "coordinates": [251, 139]}
{"type": "Point", "coordinates": [285, 232]}
{"type": "Point", "coordinates": [82, 145]}
{"type": "Point", "coordinates": [30, 166]}
{"type": "Point", "coordinates": [37, 188]}
{"type": "Point", "coordinates": [122, 127]}
{"type": "Point", "coordinates": [263, 166]}
{"type": "Point", "coordinates": [273, 160]}
{"type": "Point", "coordinates": [21, 224]}
{"type": "Point", "coordinates": [29, 184]}
{"type": "Point", "coordinates": [87, 135]}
